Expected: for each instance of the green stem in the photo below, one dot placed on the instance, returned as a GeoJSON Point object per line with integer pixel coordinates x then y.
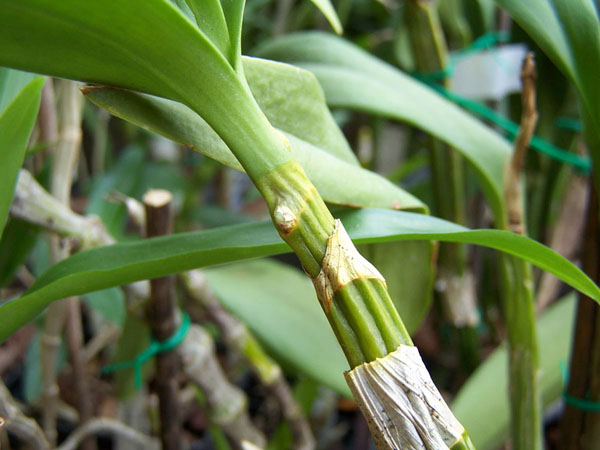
{"type": "Point", "coordinates": [430, 52]}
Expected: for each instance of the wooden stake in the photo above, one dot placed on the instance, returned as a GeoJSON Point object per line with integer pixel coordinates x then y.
{"type": "Point", "coordinates": [162, 315]}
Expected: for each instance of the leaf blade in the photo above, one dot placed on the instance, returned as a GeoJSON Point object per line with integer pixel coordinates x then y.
{"type": "Point", "coordinates": [16, 124]}
{"type": "Point", "coordinates": [132, 261]}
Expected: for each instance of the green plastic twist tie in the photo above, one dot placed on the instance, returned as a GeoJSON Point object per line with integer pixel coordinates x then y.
{"type": "Point", "coordinates": [581, 164]}
{"type": "Point", "coordinates": [153, 349]}
{"type": "Point", "coordinates": [582, 404]}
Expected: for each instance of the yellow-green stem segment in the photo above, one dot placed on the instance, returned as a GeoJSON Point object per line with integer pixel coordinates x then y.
{"type": "Point", "coordinates": [358, 307]}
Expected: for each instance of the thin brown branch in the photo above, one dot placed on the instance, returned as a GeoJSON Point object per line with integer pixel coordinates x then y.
{"type": "Point", "coordinates": [227, 404]}
{"type": "Point", "coordinates": [74, 332]}
{"type": "Point", "coordinates": [104, 425]}
{"type": "Point", "coordinates": [162, 314]}
{"type": "Point", "coordinates": [65, 156]}
{"type": "Point", "coordinates": [512, 176]}
{"type": "Point", "coordinates": [237, 337]}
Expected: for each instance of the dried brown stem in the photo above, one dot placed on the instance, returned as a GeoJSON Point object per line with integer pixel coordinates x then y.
{"type": "Point", "coordinates": [74, 332]}
{"type": "Point", "coordinates": [105, 425]}
{"type": "Point", "coordinates": [237, 337]}
{"type": "Point", "coordinates": [17, 423]}
{"type": "Point", "coordinates": [227, 404]}
{"type": "Point", "coordinates": [512, 176]}
{"type": "Point", "coordinates": [64, 162]}
{"type": "Point", "coordinates": [162, 315]}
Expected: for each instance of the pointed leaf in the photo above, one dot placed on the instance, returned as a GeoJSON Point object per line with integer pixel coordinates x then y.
{"type": "Point", "coordinates": [154, 49]}
{"type": "Point", "coordinates": [293, 101]}
{"type": "Point", "coordinates": [568, 31]}
{"type": "Point", "coordinates": [19, 105]}
{"type": "Point", "coordinates": [123, 263]}
{"type": "Point", "coordinates": [211, 20]}
{"type": "Point", "coordinates": [329, 12]}
{"type": "Point", "coordinates": [337, 181]}
{"type": "Point", "coordinates": [353, 79]}
{"type": "Point", "coordinates": [234, 15]}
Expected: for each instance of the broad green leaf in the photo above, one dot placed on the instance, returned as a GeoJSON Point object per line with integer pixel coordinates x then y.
{"type": "Point", "coordinates": [337, 181]}
{"type": "Point", "coordinates": [482, 403]}
{"type": "Point", "coordinates": [19, 104]}
{"type": "Point", "coordinates": [12, 83]}
{"type": "Point", "coordinates": [408, 269]}
{"type": "Point", "coordinates": [153, 49]}
{"type": "Point", "coordinates": [123, 263]}
{"type": "Point", "coordinates": [279, 305]}
{"type": "Point", "coordinates": [353, 79]}
{"type": "Point", "coordinates": [16, 243]}
{"type": "Point", "coordinates": [293, 101]}
{"type": "Point", "coordinates": [329, 12]}
{"type": "Point", "coordinates": [211, 20]}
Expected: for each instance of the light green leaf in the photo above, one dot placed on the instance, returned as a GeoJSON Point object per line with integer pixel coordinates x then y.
{"type": "Point", "coordinates": [329, 12]}
{"type": "Point", "coordinates": [482, 403]}
{"type": "Point", "coordinates": [293, 101]}
{"type": "Point", "coordinates": [288, 321]}
{"type": "Point", "coordinates": [211, 20]}
{"type": "Point", "coordinates": [123, 263]}
{"type": "Point", "coordinates": [19, 103]}
{"type": "Point", "coordinates": [337, 181]}
{"type": "Point", "coordinates": [153, 49]}
{"type": "Point", "coordinates": [234, 15]}
{"type": "Point", "coordinates": [353, 79]}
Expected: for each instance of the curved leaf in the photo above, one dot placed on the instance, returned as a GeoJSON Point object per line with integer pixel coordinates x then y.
{"type": "Point", "coordinates": [154, 49]}
{"type": "Point", "coordinates": [123, 263]}
{"type": "Point", "coordinates": [329, 12]}
{"type": "Point", "coordinates": [293, 101]}
{"type": "Point", "coordinates": [353, 79]}
{"type": "Point", "coordinates": [337, 181]}
{"type": "Point", "coordinates": [488, 421]}
{"type": "Point", "coordinates": [19, 104]}
{"type": "Point", "coordinates": [253, 292]}
{"type": "Point", "coordinates": [569, 33]}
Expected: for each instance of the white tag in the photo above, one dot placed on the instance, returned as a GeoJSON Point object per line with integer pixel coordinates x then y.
{"type": "Point", "coordinates": [489, 75]}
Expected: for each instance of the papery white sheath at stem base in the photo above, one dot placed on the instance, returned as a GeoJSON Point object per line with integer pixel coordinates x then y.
{"type": "Point", "coordinates": [403, 407]}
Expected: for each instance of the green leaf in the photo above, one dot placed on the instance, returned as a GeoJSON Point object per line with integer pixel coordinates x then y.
{"type": "Point", "coordinates": [154, 49]}
{"type": "Point", "coordinates": [337, 181]}
{"type": "Point", "coordinates": [123, 263]}
{"type": "Point", "coordinates": [211, 20]}
{"type": "Point", "coordinates": [252, 291]}
{"type": "Point", "coordinates": [19, 103]}
{"type": "Point", "coordinates": [568, 31]}
{"type": "Point", "coordinates": [293, 101]}
{"type": "Point", "coordinates": [482, 403]}
{"type": "Point", "coordinates": [353, 79]}
{"type": "Point", "coordinates": [234, 15]}
{"type": "Point", "coordinates": [16, 243]}
{"type": "Point", "coordinates": [329, 12]}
